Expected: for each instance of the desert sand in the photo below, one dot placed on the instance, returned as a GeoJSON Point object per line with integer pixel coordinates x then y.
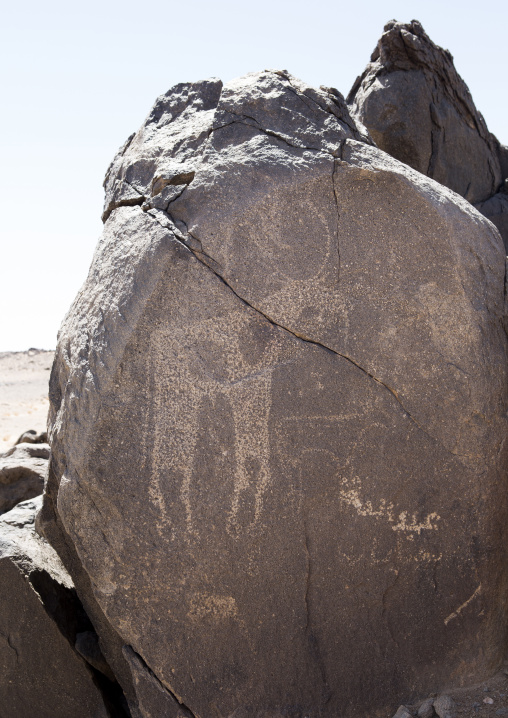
{"type": "Point", "coordinates": [24, 378]}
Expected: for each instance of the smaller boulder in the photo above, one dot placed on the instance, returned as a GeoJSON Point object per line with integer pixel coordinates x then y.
{"type": "Point", "coordinates": [403, 712]}
{"type": "Point", "coordinates": [445, 707]}
{"type": "Point", "coordinates": [426, 709]}
{"type": "Point", "coordinates": [40, 614]}
{"type": "Point", "coordinates": [32, 437]}
{"type": "Point", "coordinates": [23, 469]}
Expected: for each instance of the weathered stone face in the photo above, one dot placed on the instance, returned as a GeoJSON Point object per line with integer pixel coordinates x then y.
{"type": "Point", "coordinates": [278, 414]}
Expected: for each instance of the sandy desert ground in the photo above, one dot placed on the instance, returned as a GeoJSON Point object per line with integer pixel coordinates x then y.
{"type": "Point", "coordinates": [24, 378]}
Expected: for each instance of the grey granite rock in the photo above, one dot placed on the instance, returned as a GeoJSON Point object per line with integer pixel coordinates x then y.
{"type": "Point", "coordinates": [302, 340]}
{"type": "Point", "coordinates": [419, 110]}
{"type": "Point", "coordinates": [23, 469]}
{"type": "Point", "coordinates": [41, 676]}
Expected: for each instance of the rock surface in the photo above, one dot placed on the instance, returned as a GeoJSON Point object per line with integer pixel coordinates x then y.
{"type": "Point", "coordinates": [419, 110]}
{"type": "Point", "coordinates": [426, 709]}
{"type": "Point", "coordinates": [302, 340]}
{"type": "Point", "coordinates": [503, 159]}
{"type": "Point", "coordinates": [23, 469]}
{"type": "Point", "coordinates": [496, 209]}
{"type": "Point", "coordinates": [444, 707]}
{"type": "Point", "coordinates": [153, 699]}
{"type": "Point", "coordinates": [87, 645]}
{"type": "Point", "coordinates": [41, 675]}
{"type": "Point", "coordinates": [402, 712]}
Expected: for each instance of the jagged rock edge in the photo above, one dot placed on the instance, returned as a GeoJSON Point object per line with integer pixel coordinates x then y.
{"type": "Point", "coordinates": [293, 89]}
{"type": "Point", "coordinates": [241, 120]}
{"type": "Point", "coordinates": [270, 133]}
{"type": "Point", "coordinates": [344, 122]}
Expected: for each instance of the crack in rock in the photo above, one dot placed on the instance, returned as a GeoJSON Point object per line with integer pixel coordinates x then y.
{"type": "Point", "coordinates": [212, 265]}
{"type": "Point", "coordinates": [151, 690]}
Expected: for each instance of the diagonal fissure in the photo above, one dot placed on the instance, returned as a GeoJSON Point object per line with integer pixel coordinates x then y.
{"type": "Point", "coordinates": [134, 658]}
{"type": "Point", "coordinates": [240, 120]}
{"type": "Point", "coordinates": [212, 265]}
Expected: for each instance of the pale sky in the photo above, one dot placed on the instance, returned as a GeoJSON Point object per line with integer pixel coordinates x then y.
{"type": "Point", "coordinates": [78, 78]}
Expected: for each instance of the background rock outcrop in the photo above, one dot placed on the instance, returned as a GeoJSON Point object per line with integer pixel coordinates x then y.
{"type": "Point", "coordinates": [278, 412]}
{"type": "Point", "coordinates": [419, 110]}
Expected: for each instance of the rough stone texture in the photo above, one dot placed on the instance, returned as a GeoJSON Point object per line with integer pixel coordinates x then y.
{"type": "Point", "coordinates": [153, 699]}
{"type": "Point", "coordinates": [402, 712]}
{"type": "Point", "coordinates": [444, 707]}
{"type": "Point", "coordinates": [426, 710]}
{"type": "Point", "coordinates": [110, 643]}
{"type": "Point", "coordinates": [419, 110]}
{"type": "Point", "coordinates": [23, 469]}
{"type": "Point", "coordinates": [496, 209]}
{"type": "Point", "coordinates": [278, 413]}
{"type": "Point", "coordinates": [41, 675]}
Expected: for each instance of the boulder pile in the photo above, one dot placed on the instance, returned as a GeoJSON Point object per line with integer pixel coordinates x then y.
{"type": "Point", "coordinates": [279, 406]}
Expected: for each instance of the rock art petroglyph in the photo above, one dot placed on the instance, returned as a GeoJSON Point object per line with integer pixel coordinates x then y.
{"type": "Point", "coordinates": [278, 407]}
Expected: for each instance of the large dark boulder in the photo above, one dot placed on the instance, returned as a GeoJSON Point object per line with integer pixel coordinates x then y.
{"type": "Point", "coordinates": [419, 110]}
{"type": "Point", "coordinates": [278, 416]}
